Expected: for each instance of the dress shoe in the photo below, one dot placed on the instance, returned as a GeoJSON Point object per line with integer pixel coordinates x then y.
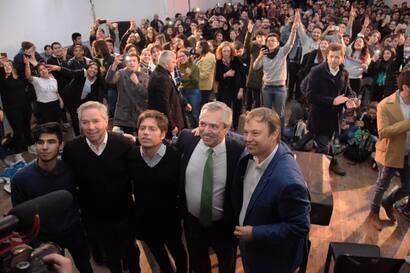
{"type": "Point", "coordinates": [336, 168]}
{"type": "Point", "coordinates": [388, 208]}
{"type": "Point", "coordinates": [374, 220]}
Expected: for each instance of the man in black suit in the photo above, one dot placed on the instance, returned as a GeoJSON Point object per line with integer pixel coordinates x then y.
{"type": "Point", "coordinates": [163, 94]}
{"type": "Point", "coordinates": [207, 170]}
{"type": "Point", "coordinates": [102, 163]}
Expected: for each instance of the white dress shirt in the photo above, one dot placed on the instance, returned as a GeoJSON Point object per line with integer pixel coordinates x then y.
{"type": "Point", "coordinates": [253, 174]}
{"type": "Point", "coordinates": [98, 150]}
{"type": "Point", "coordinates": [194, 176]}
{"type": "Point", "coordinates": [405, 110]}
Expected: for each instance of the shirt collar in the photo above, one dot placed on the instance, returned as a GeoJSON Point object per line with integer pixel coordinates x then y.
{"type": "Point", "coordinates": [161, 151]}
{"type": "Point", "coordinates": [264, 163]}
{"type": "Point", "coordinates": [218, 149]}
{"type": "Point", "coordinates": [401, 100]}
{"type": "Point", "coordinates": [102, 144]}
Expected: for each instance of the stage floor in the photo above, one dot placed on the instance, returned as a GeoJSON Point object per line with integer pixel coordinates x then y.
{"type": "Point", "coordinates": [351, 199]}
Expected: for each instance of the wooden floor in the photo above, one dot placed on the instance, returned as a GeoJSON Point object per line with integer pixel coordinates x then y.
{"type": "Point", "coordinates": [351, 196]}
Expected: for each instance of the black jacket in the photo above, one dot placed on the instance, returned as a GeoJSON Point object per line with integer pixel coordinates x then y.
{"type": "Point", "coordinates": [323, 88]}
{"type": "Point", "coordinates": [164, 96]}
{"type": "Point", "coordinates": [234, 147]}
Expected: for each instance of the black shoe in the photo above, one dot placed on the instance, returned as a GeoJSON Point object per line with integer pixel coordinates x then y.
{"type": "Point", "coordinates": [336, 168]}
{"type": "Point", "coordinates": [388, 208]}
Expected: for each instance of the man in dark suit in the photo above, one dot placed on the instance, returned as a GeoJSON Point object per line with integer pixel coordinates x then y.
{"type": "Point", "coordinates": [163, 95]}
{"type": "Point", "coordinates": [102, 167]}
{"type": "Point", "coordinates": [270, 199]}
{"type": "Point", "coordinates": [207, 169]}
{"type": "Point", "coordinates": [329, 91]}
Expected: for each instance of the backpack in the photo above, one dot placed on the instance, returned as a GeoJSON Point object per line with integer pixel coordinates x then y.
{"type": "Point", "coordinates": [360, 147]}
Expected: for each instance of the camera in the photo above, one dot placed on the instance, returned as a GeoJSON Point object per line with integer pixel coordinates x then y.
{"type": "Point", "coordinates": [100, 21]}
{"type": "Point", "coordinates": [22, 225]}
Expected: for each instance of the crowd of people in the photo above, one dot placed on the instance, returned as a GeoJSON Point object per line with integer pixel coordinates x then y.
{"type": "Point", "coordinates": [341, 67]}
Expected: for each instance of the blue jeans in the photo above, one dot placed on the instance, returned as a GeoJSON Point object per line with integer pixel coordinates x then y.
{"type": "Point", "coordinates": [276, 97]}
{"type": "Point", "coordinates": [383, 182]}
{"type": "Point", "coordinates": [111, 101]}
{"type": "Point", "coordinates": [193, 96]}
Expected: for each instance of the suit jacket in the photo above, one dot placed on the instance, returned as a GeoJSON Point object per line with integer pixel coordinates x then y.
{"type": "Point", "coordinates": [392, 128]}
{"type": "Point", "coordinates": [323, 87]}
{"type": "Point", "coordinates": [279, 213]}
{"type": "Point", "coordinates": [234, 147]}
{"type": "Point", "coordinates": [163, 96]}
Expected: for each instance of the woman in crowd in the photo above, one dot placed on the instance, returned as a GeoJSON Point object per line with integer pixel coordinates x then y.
{"type": "Point", "coordinates": [155, 52]}
{"type": "Point", "coordinates": [190, 84]}
{"type": "Point", "coordinates": [357, 61]}
{"type": "Point", "coordinates": [85, 85]}
{"type": "Point", "coordinates": [16, 106]}
{"type": "Point", "coordinates": [206, 65]}
{"type": "Point", "coordinates": [49, 102]}
{"type": "Point", "coordinates": [151, 35]}
{"type": "Point", "coordinates": [230, 76]}
{"type": "Point", "coordinates": [146, 65]}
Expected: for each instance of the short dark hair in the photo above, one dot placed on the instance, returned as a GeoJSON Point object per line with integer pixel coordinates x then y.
{"type": "Point", "coordinates": [237, 45]}
{"type": "Point", "coordinates": [52, 128]}
{"type": "Point", "coordinates": [55, 43]}
{"type": "Point", "coordinates": [160, 118]}
{"type": "Point", "coordinates": [261, 32]}
{"type": "Point", "coordinates": [267, 115]}
{"type": "Point", "coordinates": [336, 47]}
{"type": "Point", "coordinates": [26, 45]}
{"type": "Point", "coordinates": [403, 79]}
{"type": "Point", "coordinates": [47, 46]}
{"type": "Point", "coordinates": [205, 46]}
{"type": "Point", "coordinates": [277, 36]}
{"type": "Point", "coordinates": [75, 35]}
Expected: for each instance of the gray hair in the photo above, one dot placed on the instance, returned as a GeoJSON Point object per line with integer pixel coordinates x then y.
{"type": "Point", "coordinates": [93, 105]}
{"type": "Point", "coordinates": [165, 56]}
{"type": "Point", "coordinates": [219, 106]}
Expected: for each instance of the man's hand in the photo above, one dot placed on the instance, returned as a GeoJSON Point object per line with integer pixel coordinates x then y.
{"type": "Point", "coordinates": [134, 78]}
{"type": "Point", "coordinates": [239, 96]}
{"type": "Point", "coordinates": [250, 26]}
{"type": "Point", "coordinates": [230, 73]}
{"type": "Point", "coordinates": [352, 103]}
{"type": "Point", "coordinates": [1, 115]}
{"type": "Point", "coordinates": [341, 99]}
{"type": "Point", "coordinates": [188, 71]}
{"type": "Point", "coordinates": [188, 107]}
{"type": "Point", "coordinates": [132, 138]}
{"type": "Point", "coordinates": [243, 233]}
{"type": "Point", "coordinates": [60, 263]}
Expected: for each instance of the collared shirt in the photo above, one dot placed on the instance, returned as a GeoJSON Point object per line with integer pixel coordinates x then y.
{"type": "Point", "coordinates": [194, 179]}
{"type": "Point", "coordinates": [253, 174]}
{"type": "Point", "coordinates": [405, 110]}
{"type": "Point", "coordinates": [46, 89]}
{"type": "Point", "coordinates": [151, 162]}
{"type": "Point", "coordinates": [98, 150]}
{"type": "Point", "coordinates": [87, 85]}
{"type": "Point", "coordinates": [334, 71]}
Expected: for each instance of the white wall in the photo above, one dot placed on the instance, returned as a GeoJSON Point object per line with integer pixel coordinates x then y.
{"type": "Point", "coordinates": [46, 21]}
{"type": "Point", "coordinates": [41, 21]}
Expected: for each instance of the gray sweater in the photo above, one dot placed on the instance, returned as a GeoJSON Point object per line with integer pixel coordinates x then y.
{"type": "Point", "coordinates": [275, 70]}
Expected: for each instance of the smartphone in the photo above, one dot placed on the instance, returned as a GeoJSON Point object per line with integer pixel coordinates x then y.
{"type": "Point", "coordinates": [27, 55]}
{"type": "Point", "coordinates": [3, 55]}
{"type": "Point", "coordinates": [102, 21]}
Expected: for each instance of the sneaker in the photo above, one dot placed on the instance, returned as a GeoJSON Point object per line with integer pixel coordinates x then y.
{"type": "Point", "coordinates": [374, 220]}
{"type": "Point", "coordinates": [32, 149]}
{"type": "Point", "coordinates": [388, 208]}
{"type": "Point", "coordinates": [336, 168]}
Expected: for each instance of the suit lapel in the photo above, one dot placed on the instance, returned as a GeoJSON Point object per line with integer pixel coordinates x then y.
{"type": "Point", "coordinates": [395, 110]}
{"type": "Point", "coordinates": [263, 182]}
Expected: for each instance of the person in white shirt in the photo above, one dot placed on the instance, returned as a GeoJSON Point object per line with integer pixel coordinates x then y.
{"type": "Point", "coordinates": [49, 102]}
